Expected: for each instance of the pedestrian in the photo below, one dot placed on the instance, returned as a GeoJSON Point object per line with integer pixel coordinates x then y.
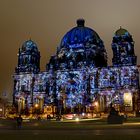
{"type": "Point", "coordinates": [19, 121]}
{"type": "Point", "coordinates": [48, 117]}
{"type": "Point", "coordinates": [38, 118]}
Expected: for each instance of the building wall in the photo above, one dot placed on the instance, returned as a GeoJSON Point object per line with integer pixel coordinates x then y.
{"type": "Point", "coordinates": [69, 88]}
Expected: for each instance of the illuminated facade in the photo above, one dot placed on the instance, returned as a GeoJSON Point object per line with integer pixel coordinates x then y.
{"type": "Point", "coordinates": [78, 78]}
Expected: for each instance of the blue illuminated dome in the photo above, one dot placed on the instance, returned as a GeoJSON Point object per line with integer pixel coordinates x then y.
{"type": "Point", "coordinates": [29, 45]}
{"type": "Point", "coordinates": [80, 35]}
{"type": "Point", "coordinates": [81, 47]}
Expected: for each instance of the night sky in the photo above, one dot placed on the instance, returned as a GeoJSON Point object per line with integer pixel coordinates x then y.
{"type": "Point", "coordinates": [46, 22]}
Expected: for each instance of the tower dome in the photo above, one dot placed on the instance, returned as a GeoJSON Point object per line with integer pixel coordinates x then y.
{"type": "Point", "coordinates": [28, 58]}
{"type": "Point", "coordinates": [29, 45]}
{"type": "Point", "coordinates": [123, 48]}
{"type": "Point", "coordinates": [121, 32]}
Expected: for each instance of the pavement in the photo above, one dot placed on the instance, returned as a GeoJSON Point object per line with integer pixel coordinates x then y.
{"type": "Point", "coordinates": [69, 130]}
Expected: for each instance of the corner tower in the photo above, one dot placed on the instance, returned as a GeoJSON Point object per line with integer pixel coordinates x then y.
{"type": "Point", "coordinates": [123, 48]}
{"type": "Point", "coordinates": [28, 58]}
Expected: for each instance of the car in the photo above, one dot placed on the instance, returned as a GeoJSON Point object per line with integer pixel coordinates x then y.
{"type": "Point", "coordinates": [69, 116]}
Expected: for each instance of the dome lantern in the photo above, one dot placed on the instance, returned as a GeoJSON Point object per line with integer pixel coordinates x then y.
{"type": "Point", "coordinates": [80, 22]}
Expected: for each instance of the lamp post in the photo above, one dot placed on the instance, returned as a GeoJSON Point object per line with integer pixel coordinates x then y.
{"type": "Point", "coordinates": [36, 108]}
{"type": "Point", "coordinates": [36, 105]}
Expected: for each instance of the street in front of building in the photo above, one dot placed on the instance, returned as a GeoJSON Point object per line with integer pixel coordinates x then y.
{"type": "Point", "coordinates": [85, 129]}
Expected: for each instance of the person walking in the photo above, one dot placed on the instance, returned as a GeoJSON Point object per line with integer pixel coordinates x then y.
{"type": "Point", "coordinates": [19, 122]}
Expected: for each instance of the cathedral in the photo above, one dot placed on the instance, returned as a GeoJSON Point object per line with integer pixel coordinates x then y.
{"type": "Point", "coordinates": [77, 77]}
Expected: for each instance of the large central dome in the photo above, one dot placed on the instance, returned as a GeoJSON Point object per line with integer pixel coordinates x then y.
{"type": "Point", "coordinates": [80, 35]}
{"type": "Point", "coordinates": [81, 47]}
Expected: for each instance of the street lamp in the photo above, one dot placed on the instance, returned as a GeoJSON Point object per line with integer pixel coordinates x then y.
{"type": "Point", "coordinates": [37, 108]}
{"type": "Point", "coordinates": [36, 105]}
{"type": "Point", "coordinates": [96, 103]}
